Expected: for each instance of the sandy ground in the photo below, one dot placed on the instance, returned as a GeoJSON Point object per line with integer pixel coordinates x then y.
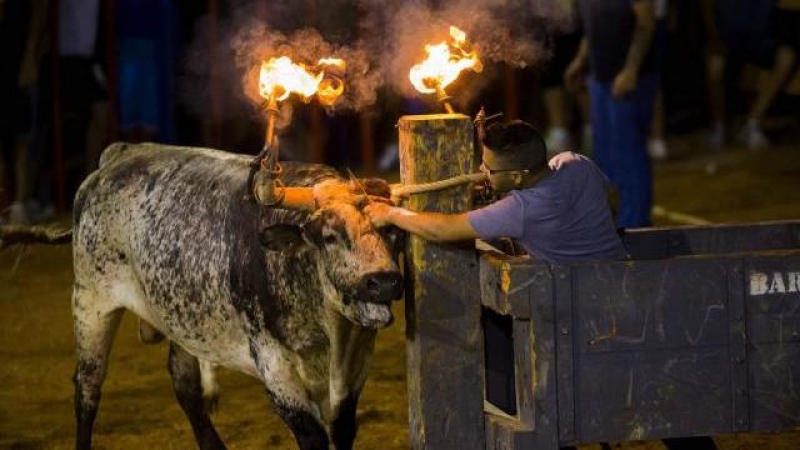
{"type": "Point", "coordinates": [139, 410]}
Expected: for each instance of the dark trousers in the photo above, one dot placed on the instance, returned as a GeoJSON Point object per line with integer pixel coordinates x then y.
{"type": "Point", "coordinates": [620, 127]}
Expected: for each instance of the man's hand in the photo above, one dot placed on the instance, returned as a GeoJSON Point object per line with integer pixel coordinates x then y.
{"type": "Point", "coordinates": [557, 161]}
{"type": "Point", "coordinates": [625, 82]}
{"type": "Point", "coordinates": [378, 214]}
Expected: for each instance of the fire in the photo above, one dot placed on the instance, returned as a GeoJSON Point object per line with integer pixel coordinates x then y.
{"type": "Point", "coordinates": [280, 77]}
{"type": "Point", "coordinates": [445, 62]}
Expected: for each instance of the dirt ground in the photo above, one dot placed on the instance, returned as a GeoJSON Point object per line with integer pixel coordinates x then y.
{"type": "Point", "coordinates": [138, 409]}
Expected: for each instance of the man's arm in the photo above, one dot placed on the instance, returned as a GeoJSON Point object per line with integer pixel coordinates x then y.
{"type": "Point", "coordinates": [434, 227]}
{"type": "Point", "coordinates": [643, 31]}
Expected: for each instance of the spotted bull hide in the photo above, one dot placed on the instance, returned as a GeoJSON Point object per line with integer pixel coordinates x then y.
{"type": "Point", "coordinates": [290, 297]}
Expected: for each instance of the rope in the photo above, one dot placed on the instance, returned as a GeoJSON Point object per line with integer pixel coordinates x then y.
{"type": "Point", "coordinates": [402, 190]}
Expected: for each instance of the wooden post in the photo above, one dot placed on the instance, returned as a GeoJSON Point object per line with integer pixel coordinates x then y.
{"type": "Point", "coordinates": [510, 93]}
{"type": "Point", "coordinates": [58, 136]}
{"type": "Point", "coordinates": [214, 130]}
{"type": "Point", "coordinates": [365, 129]}
{"type": "Point", "coordinates": [443, 334]}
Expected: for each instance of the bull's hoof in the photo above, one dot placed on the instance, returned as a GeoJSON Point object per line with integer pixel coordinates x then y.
{"type": "Point", "coordinates": [148, 334]}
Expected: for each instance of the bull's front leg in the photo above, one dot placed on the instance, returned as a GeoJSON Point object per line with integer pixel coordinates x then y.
{"type": "Point", "coordinates": [288, 395]}
{"type": "Point", "coordinates": [351, 354]}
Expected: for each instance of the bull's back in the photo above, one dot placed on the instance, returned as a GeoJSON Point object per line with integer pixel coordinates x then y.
{"type": "Point", "coordinates": [176, 226]}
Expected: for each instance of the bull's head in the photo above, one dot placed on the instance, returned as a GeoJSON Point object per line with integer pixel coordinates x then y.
{"type": "Point", "coordinates": [356, 261]}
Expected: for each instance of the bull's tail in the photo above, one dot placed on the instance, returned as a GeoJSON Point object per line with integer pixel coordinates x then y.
{"type": "Point", "coordinates": [37, 234]}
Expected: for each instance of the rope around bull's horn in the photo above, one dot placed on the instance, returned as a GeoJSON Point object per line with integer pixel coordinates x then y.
{"type": "Point", "coordinates": [402, 190]}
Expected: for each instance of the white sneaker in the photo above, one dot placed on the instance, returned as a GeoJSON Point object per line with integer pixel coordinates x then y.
{"type": "Point", "coordinates": [716, 139]}
{"type": "Point", "coordinates": [752, 137]}
{"type": "Point", "coordinates": [657, 149]}
{"type": "Point", "coordinates": [390, 158]}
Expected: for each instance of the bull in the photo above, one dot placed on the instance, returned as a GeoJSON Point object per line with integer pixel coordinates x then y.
{"type": "Point", "coordinates": [292, 297]}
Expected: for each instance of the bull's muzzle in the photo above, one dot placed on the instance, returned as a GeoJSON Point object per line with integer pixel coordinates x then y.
{"type": "Point", "coordinates": [380, 287]}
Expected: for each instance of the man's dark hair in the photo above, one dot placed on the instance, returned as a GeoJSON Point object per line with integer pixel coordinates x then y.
{"type": "Point", "coordinates": [517, 142]}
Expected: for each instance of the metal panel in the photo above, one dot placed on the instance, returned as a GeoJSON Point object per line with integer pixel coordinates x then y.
{"type": "Point", "coordinates": [773, 330]}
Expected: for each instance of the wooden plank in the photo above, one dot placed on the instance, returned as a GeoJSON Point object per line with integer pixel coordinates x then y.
{"type": "Point", "coordinates": [651, 349]}
{"type": "Point", "coordinates": [563, 299]}
{"type": "Point", "coordinates": [503, 433]}
{"type": "Point", "coordinates": [653, 394]}
{"type": "Point", "coordinates": [738, 347]}
{"type": "Point", "coordinates": [656, 243]}
{"type": "Point", "coordinates": [541, 401]}
{"type": "Point", "coordinates": [504, 282]}
{"type": "Point", "coordinates": [772, 304]}
{"type": "Point", "coordinates": [650, 305]}
{"type": "Point", "coordinates": [524, 373]}
{"type": "Point", "coordinates": [444, 346]}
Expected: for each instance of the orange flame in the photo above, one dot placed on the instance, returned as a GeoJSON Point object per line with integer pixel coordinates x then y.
{"type": "Point", "coordinates": [280, 77]}
{"type": "Point", "coordinates": [445, 62]}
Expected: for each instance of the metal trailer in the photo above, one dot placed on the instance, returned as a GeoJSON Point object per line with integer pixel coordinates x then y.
{"type": "Point", "coordinates": [698, 334]}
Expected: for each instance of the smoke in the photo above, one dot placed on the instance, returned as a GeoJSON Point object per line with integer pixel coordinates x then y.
{"type": "Point", "coordinates": [380, 40]}
{"type": "Point", "coordinates": [514, 32]}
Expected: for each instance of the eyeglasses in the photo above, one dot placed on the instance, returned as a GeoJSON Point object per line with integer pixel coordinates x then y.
{"type": "Point", "coordinates": [489, 171]}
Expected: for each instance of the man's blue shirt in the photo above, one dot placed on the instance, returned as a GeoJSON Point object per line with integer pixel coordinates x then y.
{"type": "Point", "coordinates": [563, 218]}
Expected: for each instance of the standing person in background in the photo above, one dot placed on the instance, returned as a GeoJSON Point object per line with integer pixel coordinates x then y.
{"type": "Point", "coordinates": [23, 41]}
{"type": "Point", "coordinates": [742, 31]}
{"type": "Point", "coordinates": [147, 34]}
{"type": "Point", "coordinates": [622, 88]}
{"type": "Point", "coordinates": [84, 87]}
{"type": "Point", "coordinates": [657, 145]}
{"type": "Point", "coordinates": [564, 41]}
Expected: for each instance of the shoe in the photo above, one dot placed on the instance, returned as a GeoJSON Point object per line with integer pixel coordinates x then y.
{"type": "Point", "coordinates": [390, 158]}
{"type": "Point", "coordinates": [657, 149]}
{"type": "Point", "coordinates": [752, 137]}
{"type": "Point", "coordinates": [716, 139]}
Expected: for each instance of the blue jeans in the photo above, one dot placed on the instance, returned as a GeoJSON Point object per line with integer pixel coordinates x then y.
{"type": "Point", "coordinates": [619, 131]}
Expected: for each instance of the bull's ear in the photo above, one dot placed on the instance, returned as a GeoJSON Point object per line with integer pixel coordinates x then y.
{"type": "Point", "coordinates": [376, 187]}
{"type": "Point", "coordinates": [282, 238]}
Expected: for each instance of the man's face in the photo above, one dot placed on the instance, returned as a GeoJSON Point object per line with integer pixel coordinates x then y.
{"type": "Point", "coordinates": [503, 175]}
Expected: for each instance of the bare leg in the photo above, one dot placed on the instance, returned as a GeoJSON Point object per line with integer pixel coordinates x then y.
{"type": "Point", "coordinates": [768, 88]}
{"type": "Point", "coordinates": [715, 73]}
{"type": "Point", "coordinates": [657, 145]}
{"type": "Point", "coordinates": [555, 104]}
{"type": "Point", "coordinates": [557, 134]}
